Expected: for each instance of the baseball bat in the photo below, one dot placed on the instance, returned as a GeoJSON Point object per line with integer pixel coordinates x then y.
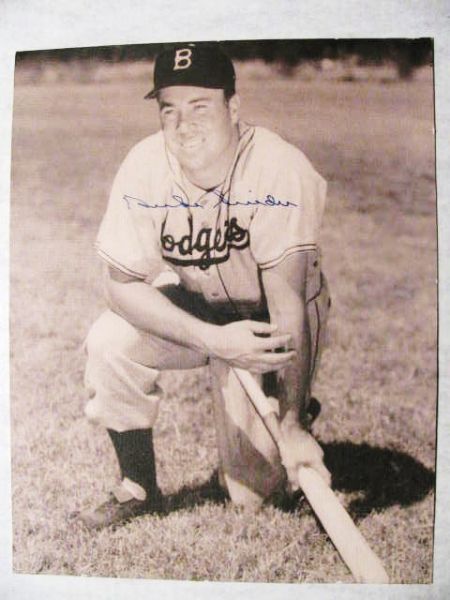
{"type": "Point", "coordinates": [363, 563]}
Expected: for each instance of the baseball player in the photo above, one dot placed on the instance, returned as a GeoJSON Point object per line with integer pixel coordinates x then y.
{"type": "Point", "coordinates": [210, 249]}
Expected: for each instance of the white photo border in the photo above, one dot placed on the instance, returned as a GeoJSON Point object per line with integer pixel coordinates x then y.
{"type": "Point", "coordinates": [47, 24]}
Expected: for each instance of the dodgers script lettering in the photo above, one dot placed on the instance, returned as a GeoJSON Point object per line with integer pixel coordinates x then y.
{"type": "Point", "coordinates": [209, 246]}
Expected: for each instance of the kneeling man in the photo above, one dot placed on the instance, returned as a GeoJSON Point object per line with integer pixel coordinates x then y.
{"type": "Point", "coordinates": [210, 244]}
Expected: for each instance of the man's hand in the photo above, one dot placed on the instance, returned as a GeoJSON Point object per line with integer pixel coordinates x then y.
{"type": "Point", "coordinates": [240, 345]}
{"type": "Point", "coordinates": [298, 449]}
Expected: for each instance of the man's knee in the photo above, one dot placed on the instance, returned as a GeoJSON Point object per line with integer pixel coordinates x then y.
{"type": "Point", "coordinates": [123, 392]}
{"type": "Point", "coordinates": [110, 336]}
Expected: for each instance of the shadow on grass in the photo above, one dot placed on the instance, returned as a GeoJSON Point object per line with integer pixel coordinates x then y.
{"type": "Point", "coordinates": [189, 497]}
{"type": "Point", "coordinates": [381, 478]}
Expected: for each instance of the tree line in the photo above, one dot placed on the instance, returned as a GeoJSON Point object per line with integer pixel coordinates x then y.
{"type": "Point", "coordinates": [406, 54]}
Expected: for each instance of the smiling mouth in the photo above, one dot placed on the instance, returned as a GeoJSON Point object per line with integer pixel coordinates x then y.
{"type": "Point", "coordinates": [191, 144]}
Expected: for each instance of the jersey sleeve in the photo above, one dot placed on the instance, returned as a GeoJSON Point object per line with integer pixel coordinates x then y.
{"type": "Point", "coordinates": [289, 217]}
{"type": "Point", "coordinates": [127, 236]}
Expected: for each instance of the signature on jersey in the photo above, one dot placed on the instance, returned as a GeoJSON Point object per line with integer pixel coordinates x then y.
{"type": "Point", "coordinates": [269, 200]}
{"type": "Point", "coordinates": [180, 202]}
{"type": "Point", "coordinates": [177, 202]}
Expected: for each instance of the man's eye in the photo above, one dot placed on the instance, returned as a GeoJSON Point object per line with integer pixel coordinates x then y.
{"type": "Point", "coordinates": [167, 112]}
{"type": "Point", "coordinates": [200, 107]}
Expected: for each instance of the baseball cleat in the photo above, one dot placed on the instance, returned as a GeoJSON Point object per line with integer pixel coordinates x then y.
{"type": "Point", "coordinates": [118, 510]}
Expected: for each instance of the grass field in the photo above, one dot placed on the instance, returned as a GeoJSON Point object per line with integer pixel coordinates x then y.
{"type": "Point", "coordinates": [374, 144]}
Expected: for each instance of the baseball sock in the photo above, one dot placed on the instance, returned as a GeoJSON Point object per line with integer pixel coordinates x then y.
{"type": "Point", "coordinates": [134, 450]}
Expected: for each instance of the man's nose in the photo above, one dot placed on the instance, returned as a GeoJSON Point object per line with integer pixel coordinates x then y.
{"type": "Point", "coordinates": [184, 122]}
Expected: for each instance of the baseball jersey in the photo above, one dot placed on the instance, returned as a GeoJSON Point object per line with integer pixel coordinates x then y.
{"type": "Point", "coordinates": [217, 241]}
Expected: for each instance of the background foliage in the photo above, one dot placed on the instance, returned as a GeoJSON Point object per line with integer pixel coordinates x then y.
{"type": "Point", "coordinates": [406, 54]}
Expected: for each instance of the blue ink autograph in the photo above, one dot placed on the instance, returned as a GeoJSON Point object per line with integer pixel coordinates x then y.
{"type": "Point", "coordinates": [269, 200]}
{"type": "Point", "coordinates": [180, 202]}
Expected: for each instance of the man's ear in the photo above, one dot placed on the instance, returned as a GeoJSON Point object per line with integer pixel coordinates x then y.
{"type": "Point", "coordinates": [234, 104]}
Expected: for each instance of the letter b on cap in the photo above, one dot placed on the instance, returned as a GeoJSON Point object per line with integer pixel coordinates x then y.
{"type": "Point", "coordinates": [182, 59]}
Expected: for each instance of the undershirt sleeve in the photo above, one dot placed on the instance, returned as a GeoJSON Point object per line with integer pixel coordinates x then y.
{"type": "Point", "coordinates": [127, 236]}
{"type": "Point", "coordinates": [290, 220]}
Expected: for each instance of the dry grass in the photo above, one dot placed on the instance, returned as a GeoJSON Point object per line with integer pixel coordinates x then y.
{"type": "Point", "coordinates": [374, 144]}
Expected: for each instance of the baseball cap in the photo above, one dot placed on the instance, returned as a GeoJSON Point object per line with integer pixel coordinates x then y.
{"type": "Point", "coordinates": [200, 65]}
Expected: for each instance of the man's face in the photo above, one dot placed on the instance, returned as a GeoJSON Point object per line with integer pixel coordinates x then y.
{"type": "Point", "coordinates": [199, 128]}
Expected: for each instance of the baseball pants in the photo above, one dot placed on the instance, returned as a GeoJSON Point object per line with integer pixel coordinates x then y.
{"type": "Point", "coordinates": [121, 377]}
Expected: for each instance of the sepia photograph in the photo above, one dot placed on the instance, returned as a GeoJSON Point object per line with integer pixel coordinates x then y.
{"type": "Point", "coordinates": [223, 311]}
